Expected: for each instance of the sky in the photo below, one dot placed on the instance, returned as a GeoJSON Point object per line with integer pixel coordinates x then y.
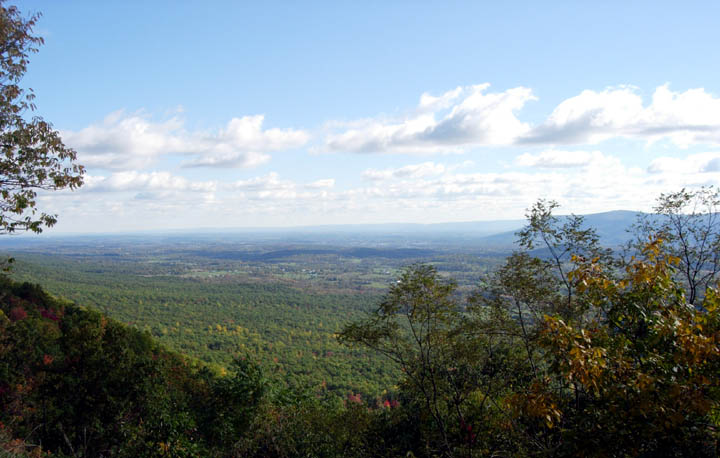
{"type": "Point", "coordinates": [225, 114]}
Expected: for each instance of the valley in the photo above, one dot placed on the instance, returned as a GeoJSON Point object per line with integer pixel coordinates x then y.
{"type": "Point", "coordinates": [279, 297]}
{"type": "Point", "coordinates": [217, 297]}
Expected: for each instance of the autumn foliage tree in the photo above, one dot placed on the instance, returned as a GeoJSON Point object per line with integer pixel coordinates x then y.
{"type": "Point", "coordinates": [566, 350]}
{"type": "Point", "coordinates": [640, 377]}
{"type": "Point", "coordinates": [32, 154]}
{"type": "Point", "coordinates": [621, 361]}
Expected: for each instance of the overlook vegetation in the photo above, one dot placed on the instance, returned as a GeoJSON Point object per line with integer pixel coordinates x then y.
{"type": "Point", "coordinates": [577, 353]}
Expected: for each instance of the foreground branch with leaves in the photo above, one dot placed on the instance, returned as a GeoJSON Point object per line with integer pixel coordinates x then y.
{"type": "Point", "coordinates": [32, 154]}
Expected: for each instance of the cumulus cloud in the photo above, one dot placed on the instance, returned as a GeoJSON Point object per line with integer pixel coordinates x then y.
{"type": "Point", "coordinates": [325, 183]}
{"type": "Point", "coordinates": [685, 118]}
{"type": "Point", "coordinates": [465, 116]}
{"type": "Point", "coordinates": [155, 189]}
{"type": "Point", "coordinates": [131, 141]}
{"type": "Point", "coordinates": [229, 160]}
{"type": "Point", "coordinates": [409, 171]}
{"type": "Point", "coordinates": [472, 116]}
{"type": "Point", "coordinates": [556, 159]}
{"type": "Point", "coordinates": [137, 181]}
{"type": "Point", "coordinates": [123, 141]}
{"type": "Point", "coordinates": [438, 192]}
{"type": "Point", "coordinates": [599, 183]}
{"type": "Point", "coordinates": [692, 164]}
{"type": "Point", "coordinates": [583, 181]}
{"type": "Point", "coordinates": [271, 181]}
{"type": "Point", "coordinates": [271, 188]}
{"type": "Point", "coordinates": [581, 177]}
{"type": "Point", "coordinates": [426, 192]}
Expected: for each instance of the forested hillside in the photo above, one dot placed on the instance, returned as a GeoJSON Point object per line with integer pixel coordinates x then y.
{"type": "Point", "coordinates": [215, 298]}
{"type": "Point", "coordinates": [582, 353]}
{"type": "Point", "coordinates": [76, 383]}
{"type": "Point", "coordinates": [290, 331]}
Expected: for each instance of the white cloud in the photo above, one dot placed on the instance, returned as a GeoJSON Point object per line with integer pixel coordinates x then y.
{"type": "Point", "coordinates": [604, 182]}
{"type": "Point", "coordinates": [273, 190]}
{"type": "Point", "coordinates": [471, 117]}
{"type": "Point", "coordinates": [692, 164]}
{"type": "Point", "coordinates": [685, 118]}
{"type": "Point", "coordinates": [271, 181]}
{"type": "Point", "coordinates": [465, 116]}
{"type": "Point", "coordinates": [127, 142]}
{"type": "Point", "coordinates": [137, 181]}
{"type": "Point", "coordinates": [429, 103]}
{"type": "Point", "coordinates": [246, 133]}
{"type": "Point", "coordinates": [325, 183]}
{"type": "Point", "coordinates": [553, 159]}
{"type": "Point", "coordinates": [229, 160]}
{"type": "Point", "coordinates": [594, 182]}
{"type": "Point", "coordinates": [582, 178]}
{"type": "Point", "coordinates": [409, 171]}
{"type": "Point", "coordinates": [123, 141]}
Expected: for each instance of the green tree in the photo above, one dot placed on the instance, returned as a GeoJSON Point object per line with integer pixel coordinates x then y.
{"type": "Point", "coordinates": [412, 327]}
{"type": "Point", "coordinates": [452, 370]}
{"type": "Point", "coordinates": [511, 306]}
{"type": "Point", "coordinates": [554, 241]}
{"type": "Point", "coordinates": [689, 223]}
{"type": "Point", "coordinates": [32, 154]}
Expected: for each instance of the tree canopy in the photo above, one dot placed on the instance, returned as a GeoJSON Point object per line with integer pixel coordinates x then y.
{"type": "Point", "coordinates": [566, 350]}
{"type": "Point", "coordinates": [32, 154]}
{"type": "Point", "coordinates": [688, 221]}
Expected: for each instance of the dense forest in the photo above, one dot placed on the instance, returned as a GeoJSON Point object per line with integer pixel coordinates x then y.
{"type": "Point", "coordinates": [289, 330]}
{"type": "Point", "coordinates": [215, 299]}
{"type": "Point", "coordinates": [577, 351]}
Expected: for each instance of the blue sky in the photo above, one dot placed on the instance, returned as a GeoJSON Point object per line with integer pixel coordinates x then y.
{"type": "Point", "coordinates": [232, 114]}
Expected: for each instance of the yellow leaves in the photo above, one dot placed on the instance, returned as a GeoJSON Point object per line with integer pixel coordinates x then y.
{"type": "Point", "coordinates": [581, 359]}
{"type": "Point", "coordinates": [696, 348]}
{"type": "Point", "coordinates": [588, 274]}
{"type": "Point", "coordinates": [656, 270]}
{"type": "Point", "coordinates": [635, 354]}
{"type": "Point", "coordinates": [653, 248]}
{"type": "Point", "coordinates": [537, 403]}
{"type": "Point", "coordinates": [712, 300]}
{"type": "Point", "coordinates": [644, 382]}
{"type": "Point", "coordinates": [586, 365]}
{"type": "Point", "coordinates": [163, 448]}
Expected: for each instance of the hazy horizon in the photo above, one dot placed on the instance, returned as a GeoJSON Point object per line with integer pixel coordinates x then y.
{"type": "Point", "coordinates": [490, 227]}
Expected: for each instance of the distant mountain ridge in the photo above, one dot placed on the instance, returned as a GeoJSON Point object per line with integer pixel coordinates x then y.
{"type": "Point", "coordinates": [611, 226]}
